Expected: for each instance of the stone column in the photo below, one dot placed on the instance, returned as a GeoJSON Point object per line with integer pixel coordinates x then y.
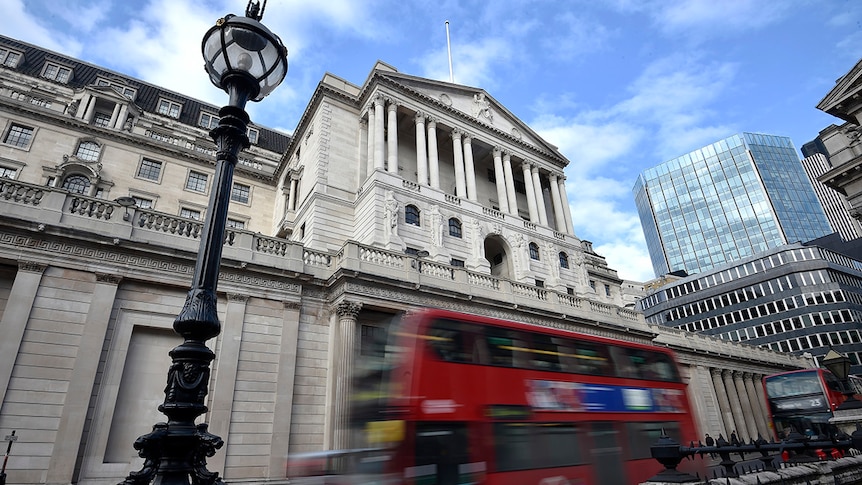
{"type": "Point", "coordinates": [745, 402]}
{"type": "Point", "coordinates": [540, 198]}
{"type": "Point", "coordinates": [567, 210]}
{"type": "Point", "coordinates": [15, 318]}
{"type": "Point", "coordinates": [735, 406]}
{"type": "Point", "coordinates": [458, 152]}
{"type": "Point", "coordinates": [501, 181]}
{"type": "Point", "coordinates": [74, 411]}
{"type": "Point", "coordinates": [559, 219]}
{"type": "Point", "coordinates": [284, 388]}
{"type": "Point", "coordinates": [83, 105]}
{"type": "Point", "coordinates": [469, 168]}
{"type": "Point", "coordinates": [115, 114]}
{"type": "Point", "coordinates": [421, 157]}
{"type": "Point", "coordinates": [224, 381]}
{"type": "Point", "coordinates": [344, 352]}
{"type": "Point", "coordinates": [379, 162]}
{"type": "Point", "coordinates": [291, 196]}
{"type": "Point", "coordinates": [90, 111]}
{"type": "Point", "coordinates": [433, 160]}
{"type": "Point", "coordinates": [723, 402]}
{"type": "Point", "coordinates": [392, 139]}
{"type": "Point", "coordinates": [510, 185]}
{"type": "Point", "coordinates": [531, 194]}
{"type": "Point", "coordinates": [121, 118]}
{"type": "Point", "coordinates": [371, 136]}
{"type": "Point", "coordinates": [756, 401]}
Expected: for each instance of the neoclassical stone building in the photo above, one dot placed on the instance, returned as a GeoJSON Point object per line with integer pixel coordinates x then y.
{"type": "Point", "coordinates": [397, 194]}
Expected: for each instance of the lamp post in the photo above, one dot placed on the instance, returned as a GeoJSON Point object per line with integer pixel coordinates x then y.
{"type": "Point", "coordinates": [248, 61]}
{"type": "Point", "coordinates": [839, 365]}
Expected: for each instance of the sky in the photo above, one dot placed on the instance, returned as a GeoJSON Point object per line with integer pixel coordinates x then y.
{"type": "Point", "coordinates": [618, 85]}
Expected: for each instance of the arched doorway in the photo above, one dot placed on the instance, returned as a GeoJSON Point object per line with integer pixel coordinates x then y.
{"type": "Point", "coordinates": [497, 253]}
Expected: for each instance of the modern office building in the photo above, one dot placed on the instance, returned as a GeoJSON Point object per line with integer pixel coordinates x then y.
{"type": "Point", "coordinates": [729, 200]}
{"type": "Point", "coordinates": [794, 298]}
{"type": "Point", "coordinates": [396, 194]}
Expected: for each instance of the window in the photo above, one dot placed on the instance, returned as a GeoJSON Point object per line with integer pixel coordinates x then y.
{"type": "Point", "coordinates": [76, 184]}
{"type": "Point", "coordinates": [6, 172]}
{"type": "Point", "coordinates": [19, 136]}
{"type": "Point", "coordinates": [88, 150]}
{"type": "Point", "coordinates": [168, 108]}
{"type": "Point", "coordinates": [57, 73]}
{"type": "Point", "coordinates": [240, 193]}
{"type": "Point", "coordinates": [208, 120]}
{"type": "Point", "coordinates": [607, 290]}
{"type": "Point", "coordinates": [458, 263]}
{"type": "Point", "coordinates": [570, 290]}
{"type": "Point", "coordinates": [454, 227]}
{"type": "Point", "coordinates": [150, 169]}
{"type": "Point", "coordinates": [101, 119]}
{"type": "Point", "coordinates": [540, 283]}
{"type": "Point", "coordinates": [252, 135]}
{"type": "Point", "coordinates": [411, 215]}
{"type": "Point", "coordinates": [593, 284]}
{"type": "Point", "coordinates": [118, 87]}
{"type": "Point", "coordinates": [534, 251]}
{"type": "Point", "coordinates": [9, 58]}
{"type": "Point", "coordinates": [143, 203]}
{"type": "Point", "coordinates": [564, 260]}
{"type": "Point", "coordinates": [197, 182]}
{"type": "Point", "coordinates": [235, 224]}
{"type": "Point", "coordinates": [190, 214]}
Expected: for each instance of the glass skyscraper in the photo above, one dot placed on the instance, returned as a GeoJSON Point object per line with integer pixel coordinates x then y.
{"type": "Point", "coordinates": [728, 200]}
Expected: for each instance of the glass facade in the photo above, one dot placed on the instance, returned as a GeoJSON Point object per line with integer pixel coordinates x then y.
{"type": "Point", "coordinates": [728, 200]}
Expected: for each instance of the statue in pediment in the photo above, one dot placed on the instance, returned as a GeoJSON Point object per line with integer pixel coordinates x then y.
{"type": "Point", "coordinates": [482, 108]}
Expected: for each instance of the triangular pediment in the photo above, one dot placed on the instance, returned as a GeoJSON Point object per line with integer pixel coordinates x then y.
{"type": "Point", "coordinates": [845, 95]}
{"type": "Point", "coordinates": [472, 103]}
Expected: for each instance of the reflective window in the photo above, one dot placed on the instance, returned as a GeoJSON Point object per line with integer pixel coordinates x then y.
{"type": "Point", "coordinates": [76, 184]}
{"type": "Point", "coordinates": [534, 251]}
{"type": "Point", "coordinates": [411, 215]}
{"type": "Point", "coordinates": [454, 227]}
{"type": "Point", "coordinates": [150, 169]}
{"type": "Point", "coordinates": [88, 150]}
{"type": "Point", "coordinates": [19, 136]}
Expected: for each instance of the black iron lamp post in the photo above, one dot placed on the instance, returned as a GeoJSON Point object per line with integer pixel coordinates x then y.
{"type": "Point", "coordinates": [839, 365]}
{"type": "Point", "coordinates": [248, 61]}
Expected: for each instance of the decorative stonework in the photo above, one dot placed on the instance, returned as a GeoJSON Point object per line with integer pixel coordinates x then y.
{"type": "Point", "coordinates": [348, 309]}
{"type": "Point", "coordinates": [237, 297]}
{"type": "Point", "coordinates": [109, 278]}
{"type": "Point", "coordinates": [31, 266]}
{"type": "Point", "coordinates": [445, 99]}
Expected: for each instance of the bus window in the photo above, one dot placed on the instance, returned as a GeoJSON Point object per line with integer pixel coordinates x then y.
{"type": "Point", "coordinates": [643, 435]}
{"type": "Point", "coordinates": [525, 446]}
{"type": "Point", "coordinates": [591, 358]}
{"type": "Point", "coordinates": [546, 353]}
{"type": "Point", "coordinates": [441, 449]}
{"type": "Point", "coordinates": [446, 339]}
{"type": "Point", "coordinates": [508, 348]}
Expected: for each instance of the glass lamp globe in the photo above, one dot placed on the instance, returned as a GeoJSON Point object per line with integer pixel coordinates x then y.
{"type": "Point", "coordinates": [240, 53]}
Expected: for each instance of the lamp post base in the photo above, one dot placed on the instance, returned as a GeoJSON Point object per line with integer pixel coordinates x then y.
{"type": "Point", "coordinates": [175, 454]}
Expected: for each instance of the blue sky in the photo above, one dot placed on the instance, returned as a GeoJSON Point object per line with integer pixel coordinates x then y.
{"type": "Point", "coordinates": [618, 85]}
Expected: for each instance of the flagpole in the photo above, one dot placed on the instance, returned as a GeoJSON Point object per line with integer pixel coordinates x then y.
{"type": "Point", "coordinates": [449, 49]}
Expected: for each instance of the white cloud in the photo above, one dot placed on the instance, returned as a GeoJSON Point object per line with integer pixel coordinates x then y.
{"type": "Point", "coordinates": [705, 18]}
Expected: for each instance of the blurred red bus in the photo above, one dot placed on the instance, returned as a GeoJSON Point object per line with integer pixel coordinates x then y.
{"type": "Point", "coordinates": [483, 401]}
{"type": "Point", "coordinates": [804, 400]}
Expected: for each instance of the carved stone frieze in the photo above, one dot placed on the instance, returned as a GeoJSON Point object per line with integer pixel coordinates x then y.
{"type": "Point", "coordinates": [31, 266]}
{"type": "Point", "coordinates": [110, 278]}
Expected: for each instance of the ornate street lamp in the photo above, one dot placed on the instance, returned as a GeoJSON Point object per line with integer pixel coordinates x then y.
{"type": "Point", "coordinates": [248, 61]}
{"type": "Point", "coordinates": [839, 365]}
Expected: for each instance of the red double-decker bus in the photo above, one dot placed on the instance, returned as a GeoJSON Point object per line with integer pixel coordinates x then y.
{"type": "Point", "coordinates": [483, 401]}
{"type": "Point", "coordinates": [804, 400]}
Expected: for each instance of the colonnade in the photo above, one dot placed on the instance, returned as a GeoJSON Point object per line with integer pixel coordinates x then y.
{"type": "Point", "coordinates": [739, 401]}
{"type": "Point", "coordinates": [383, 155]}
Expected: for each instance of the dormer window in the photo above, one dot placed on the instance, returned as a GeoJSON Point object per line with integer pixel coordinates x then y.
{"type": "Point", "coordinates": [118, 87]}
{"type": "Point", "coordinates": [10, 58]}
{"type": "Point", "coordinates": [56, 72]}
{"type": "Point", "coordinates": [169, 108]}
{"type": "Point", "coordinates": [208, 120]}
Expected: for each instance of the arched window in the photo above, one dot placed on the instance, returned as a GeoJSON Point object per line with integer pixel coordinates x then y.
{"type": "Point", "coordinates": [88, 150]}
{"type": "Point", "coordinates": [454, 227]}
{"type": "Point", "coordinates": [564, 260]}
{"type": "Point", "coordinates": [411, 215]}
{"type": "Point", "coordinates": [76, 184]}
{"type": "Point", "coordinates": [534, 251]}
